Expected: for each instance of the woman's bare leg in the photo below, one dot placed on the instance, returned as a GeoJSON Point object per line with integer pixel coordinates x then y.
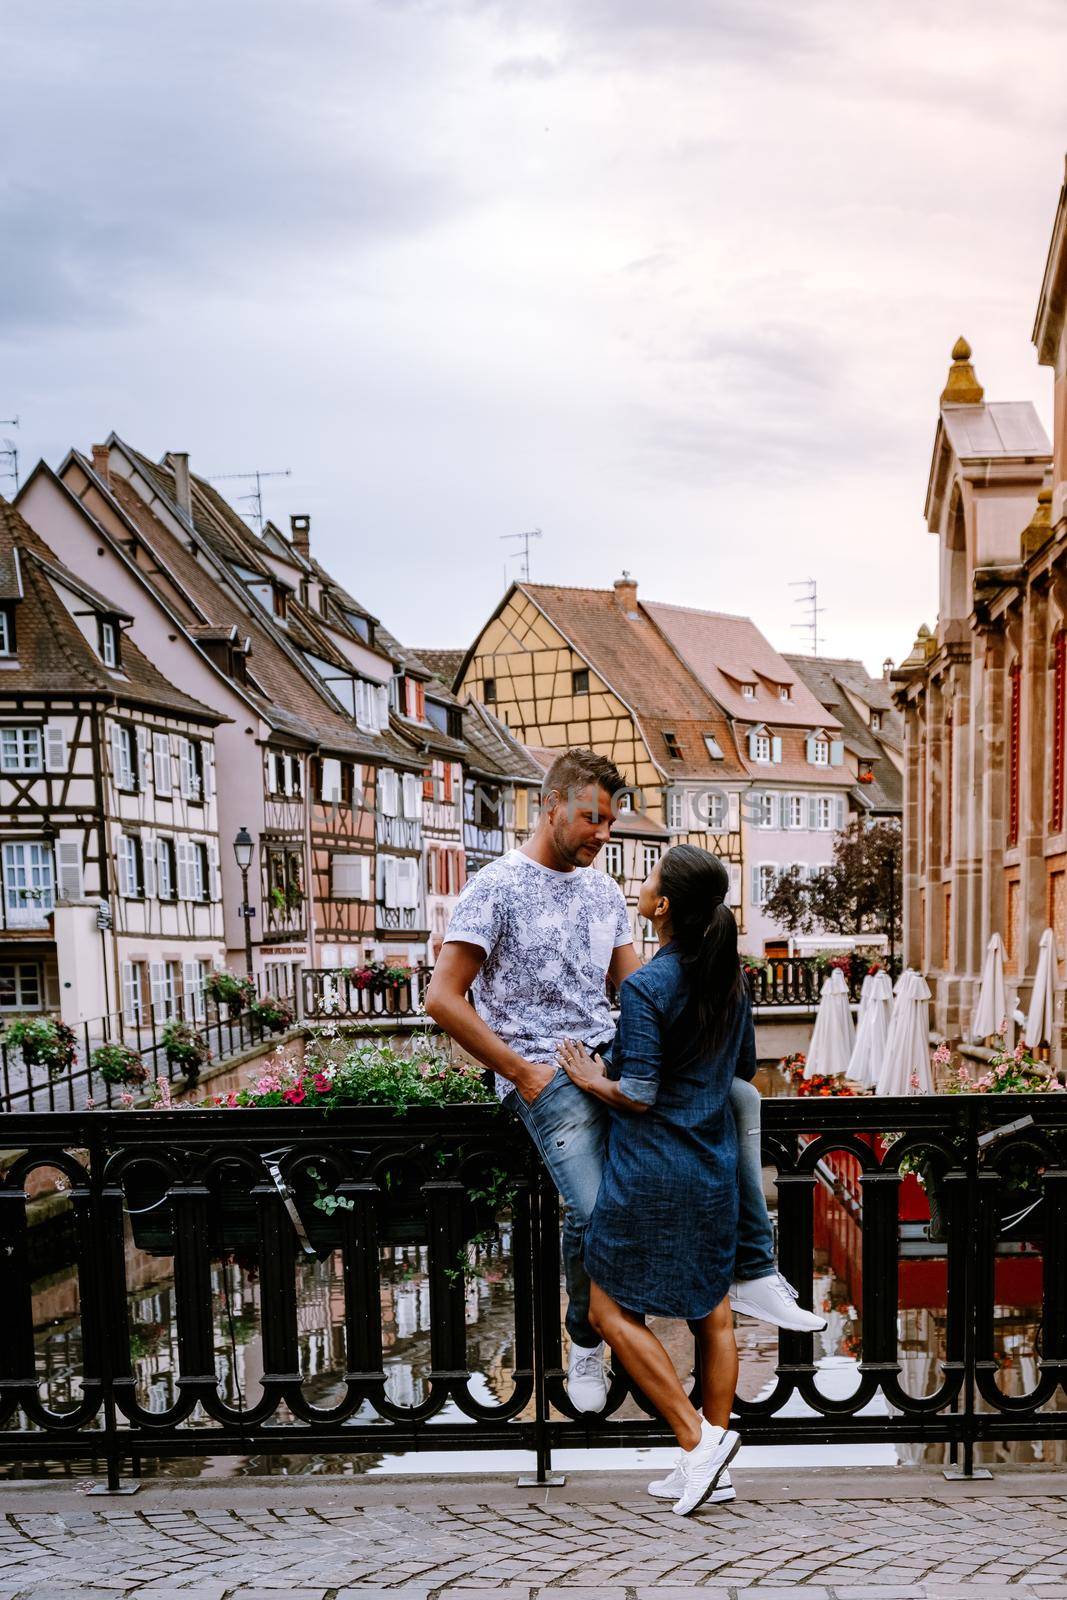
{"type": "Point", "coordinates": [718, 1363]}
{"type": "Point", "coordinates": [647, 1363]}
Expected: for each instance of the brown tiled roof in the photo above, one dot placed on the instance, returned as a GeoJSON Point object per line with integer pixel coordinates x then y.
{"type": "Point", "coordinates": [284, 696]}
{"type": "Point", "coordinates": [828, 677]}
{"type": "Point", "coordinates": [632, 656]}
{"type": "Point", "coordinates": [724, 652]}
{"type": "Point", "coordinates": [444, 664]}
{"type": "Point", "coordinates": [494, 751]}
{"type": "Point", "coordinates": [53, 654]}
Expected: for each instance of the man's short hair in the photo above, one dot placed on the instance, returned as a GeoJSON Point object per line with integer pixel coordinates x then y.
{"type": "Point", "coordinates": [580, 769]}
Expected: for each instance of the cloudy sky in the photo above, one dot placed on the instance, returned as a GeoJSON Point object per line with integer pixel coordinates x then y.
{"type": "Point", "coordinates": [674, 280]}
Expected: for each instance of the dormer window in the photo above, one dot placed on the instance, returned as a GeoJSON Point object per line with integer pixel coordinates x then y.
{"type": "Point", "coordinates": [109, 643]}
{"type": "Point", "coordinates": [761, 746]}
{"type": "Point", "coordinates": [784, 691]}
{"type": "Point", "coordinates": [277, 599]}
{"type": "Point", "coordinates": [748, 691]}
{"type": "Point", "coordinates": [820, 752]}
{"type": "Point", "coordinates": [876, 722]}
{"type": "Point", "coordinates": [7, 631]}
{"type": "Point", "coordinates": [674, 749]}
{"type": "Point", "coordinates": [713, 747]}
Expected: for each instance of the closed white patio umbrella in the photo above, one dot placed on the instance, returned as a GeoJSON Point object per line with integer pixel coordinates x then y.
{"type": "Point", "coordinates": [872, 1030]}
{"type": "Point", "coordinates": [991, 1011]}
{"type": "Point", "coordinates": [1038, 1029]}
{"type": "Point", "coordinates": [907, 1050]}
{"type": "Point", "coordinates": [835, 1033]}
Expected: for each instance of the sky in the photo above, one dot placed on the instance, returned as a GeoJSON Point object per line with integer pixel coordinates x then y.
{"type": "Point", "coordinates": [675, 281]}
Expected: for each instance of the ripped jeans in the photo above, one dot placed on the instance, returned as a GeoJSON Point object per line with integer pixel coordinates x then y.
{"type": "Point", "coordinates": [570, 1129]}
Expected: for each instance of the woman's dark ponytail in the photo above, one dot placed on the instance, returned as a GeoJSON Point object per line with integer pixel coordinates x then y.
{"type": "Point", "coordinates": [696, 884]}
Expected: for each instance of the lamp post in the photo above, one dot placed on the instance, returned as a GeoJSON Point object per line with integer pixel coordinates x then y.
{"type": "Point", "coordinates": [243, 849]}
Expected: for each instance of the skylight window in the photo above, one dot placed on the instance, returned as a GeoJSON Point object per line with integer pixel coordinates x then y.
{"type": "Point", "coordinates": [713, 747]}
{"type": "Point", "coordinates": [674, 749]}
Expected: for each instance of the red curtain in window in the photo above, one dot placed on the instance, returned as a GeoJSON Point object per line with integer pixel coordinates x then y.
{"type": "Point", "coordinates": [947, 798]}
{"type": "Point", "coordinates": [1059, 692]}
{"type": "Point", "coordinates": [1014, 724]}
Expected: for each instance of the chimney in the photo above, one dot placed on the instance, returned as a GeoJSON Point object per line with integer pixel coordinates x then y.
{"type": "Point", "coordinates": [183, 488]}
{"type": "Point", "coordinates": [887, 668]}
{"type": "Point", "coordinates": [102, 463]}
{"type": "Point", "coordinates": [626, 594]}
{"type": "Point", "coordinates": [300, 536]}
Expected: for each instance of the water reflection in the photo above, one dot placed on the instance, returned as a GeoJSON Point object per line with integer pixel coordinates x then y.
{"type": "Point", "coordinates": [489, 1315]}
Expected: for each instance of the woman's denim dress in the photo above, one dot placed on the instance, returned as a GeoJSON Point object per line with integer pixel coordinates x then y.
{"type": "Point", "coordinates": [664, 1230]}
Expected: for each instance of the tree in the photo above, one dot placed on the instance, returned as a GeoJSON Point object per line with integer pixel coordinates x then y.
{"type": "Point", "coordinates": [859, 892]}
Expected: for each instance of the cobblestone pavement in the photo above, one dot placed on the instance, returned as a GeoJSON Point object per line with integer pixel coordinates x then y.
{"type": "Point", "coordinates": [913, 1537]}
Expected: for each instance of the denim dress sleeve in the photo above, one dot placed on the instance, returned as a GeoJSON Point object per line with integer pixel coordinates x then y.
{"type": "Point", "coordinates": [637, 1054]}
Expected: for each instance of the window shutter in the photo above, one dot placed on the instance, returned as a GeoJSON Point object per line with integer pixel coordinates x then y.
{"type": "Point", "coordinates": [777, 806]}
{"type": "Point", "coordinates": [839, 812]}
{"type": "Point", "coordinates": [158, 971]}
{"type": "Point", "coordinates": [382, 697]}
{"type": "Point", "coordinates": [148, 865]}
{"type": "Point", "coordinates": [409, 882]}
{"type": "Point", "coordinates": [130, 994]}
{"type": "Point", "coordinates": [389, 867]}
{"type": "Point", "coordinates": [752, 746]}
{"type": "Point", "coordinates": [211, 886]}
{"type": "Point", "coordinates": [755, 880]}
{"type": "Point", "coordinates": [182, 849]}
{"type": "Point", "coordinates": [837, 752]}
{"type": "Point", "coordinates": [388, 783]}
{"type": "Point", "coordinates": [193, 988]}
{"type": "Point", "coordinates": [69, 869]}
{"type": "Point", "coordinates": [207, 752]}
{"type": "Point", "coordinates": [161, 758]}
{"type": "Point", "coordinates": [55, 749]}
{"type": "Point", "coordinates": [116, 754]}
{"type": "Point", "coordinates": [809, 746]}
{"type": "Point", "coordinates": [734, 869]}
{"type": "Point", "coordinates": [776, 750]}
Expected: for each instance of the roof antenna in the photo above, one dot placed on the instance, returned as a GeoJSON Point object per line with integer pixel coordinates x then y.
{"type": "Point", "coordinates": [9, 453]}
{"type": "Point", "coordinates": [532, 533]}
{"type": "Point", "coordinates": [255, 514]}
{"type": "Point", "coordinates": [810, 602]}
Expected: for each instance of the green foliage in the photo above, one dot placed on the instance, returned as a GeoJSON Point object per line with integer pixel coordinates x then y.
{"type": "Point", "coordinates": [118, 1063]}
{"type": "Point", "coordinates": [44, 1042]}
{"type": "Point", "coordinates": [859, 892]}
{"type": "Point", "coordinates": [336, 1072]}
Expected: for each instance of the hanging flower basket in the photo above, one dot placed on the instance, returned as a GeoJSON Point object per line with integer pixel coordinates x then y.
{"type": "Point", "coordinates": [226, 989]}
{"type": "Point", "coordinates": [44, 1042]}
{"type": "Point", "coordinates": [185, 1048]}
{"type": "Point", "coordinates": [118, 1063]}
{"type": "Point", "coordinates": [273, 1013]}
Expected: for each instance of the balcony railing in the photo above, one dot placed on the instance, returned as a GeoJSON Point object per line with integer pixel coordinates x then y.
{"type": "Point", "coordinates": [345, 994]}
{"type": "Point", "coordinates": [28, 1083]}
{"type": "Point", "coordinates": [197, 1184]}
{"type": "Point", "coordinates": [798, 980]}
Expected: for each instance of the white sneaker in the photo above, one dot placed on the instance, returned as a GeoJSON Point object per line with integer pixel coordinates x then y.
{"type": "Point", "coordinates": [587, 1382]}
{"type": "Point", "coordinates": [671, 1488]}
{"type": "Point", "coordinates": [774, 1300]}
{"type": "Point", "coordinates": [703, 1467]}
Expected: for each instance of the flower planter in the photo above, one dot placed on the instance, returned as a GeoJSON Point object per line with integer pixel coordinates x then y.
{"type": "Point", "coordinates": [233, 1220]}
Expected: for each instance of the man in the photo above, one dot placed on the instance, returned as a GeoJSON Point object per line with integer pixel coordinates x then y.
{"type": "Point", "coordinates": [533, 938]}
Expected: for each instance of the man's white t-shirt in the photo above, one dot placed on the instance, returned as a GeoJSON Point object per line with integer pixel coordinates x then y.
{"type": "Point", "coordinates": [548, 939]}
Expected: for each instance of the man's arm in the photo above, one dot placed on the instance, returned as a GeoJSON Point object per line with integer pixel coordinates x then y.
{"type": "Point", "coordinates": [624, 960]}
{"type": "Point", "coordinates": [447, 1003]}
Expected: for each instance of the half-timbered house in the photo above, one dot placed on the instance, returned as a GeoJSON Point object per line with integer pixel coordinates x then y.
{"type": "Point", "coordinates": [109, 849]}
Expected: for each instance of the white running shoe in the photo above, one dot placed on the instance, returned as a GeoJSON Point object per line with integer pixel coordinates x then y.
{"type": "Point", "coordinates": [703, 1466]}
{"type": "Point", "coordinates": [671, 1488]}
{"type": "Point", "coordinates": [587, 1382]}
{"type": "Point", "coordinates": [773, 1299]}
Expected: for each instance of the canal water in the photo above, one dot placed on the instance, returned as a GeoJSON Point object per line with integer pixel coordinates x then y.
{"type": "Point", "coordinates": [405, 1306]}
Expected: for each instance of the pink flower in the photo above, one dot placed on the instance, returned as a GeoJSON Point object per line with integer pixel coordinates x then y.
{"type": "Point", "coordinates": [268, 1084]}
{"type": "Point", "coordinates": [126, 1098]}
{"type": "Point", "coordinates": [231, 1098]}
{"type": "Point", "coordinates": [942, 1055]}
{"type": "Point", "coordinates": [913, 1081]}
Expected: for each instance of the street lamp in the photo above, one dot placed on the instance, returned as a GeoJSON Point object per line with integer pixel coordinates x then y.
{"type": "Point", "coordinates": [244, 849]}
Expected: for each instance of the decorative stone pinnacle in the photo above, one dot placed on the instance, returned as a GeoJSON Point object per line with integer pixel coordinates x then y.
{"type": "Point", "coordinates": [1039, 530]}
{"type": "Point", "coordinates": [962, 387]}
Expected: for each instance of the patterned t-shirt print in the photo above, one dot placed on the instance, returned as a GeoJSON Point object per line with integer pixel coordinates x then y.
{"type": "Point", "coordinates": [548, 938]}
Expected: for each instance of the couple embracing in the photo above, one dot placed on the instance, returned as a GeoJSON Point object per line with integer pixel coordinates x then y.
{"type": "Point", "coordinates": [650, 1130]}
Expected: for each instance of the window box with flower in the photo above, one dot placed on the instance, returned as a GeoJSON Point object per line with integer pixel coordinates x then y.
{"type": "Point", "coordinates": [374, 1077]}
{"type": "Point", "coordinates": [44, 1042]}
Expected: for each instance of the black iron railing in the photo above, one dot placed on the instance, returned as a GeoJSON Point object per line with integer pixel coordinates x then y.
{"type": "Point", "coordinates": [213, 1034]}
{"type": "Point", "coordinates": [798, 980]}
{"type": "Point", "coordinates": [199, 1185]}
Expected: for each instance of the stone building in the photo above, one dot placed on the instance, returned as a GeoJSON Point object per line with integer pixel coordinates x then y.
{"type": "Point", "coordinates": [984, 693]}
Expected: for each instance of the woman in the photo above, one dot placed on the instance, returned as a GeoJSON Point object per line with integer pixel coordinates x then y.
{"type": "Point", "coordinates": [662, 1236]}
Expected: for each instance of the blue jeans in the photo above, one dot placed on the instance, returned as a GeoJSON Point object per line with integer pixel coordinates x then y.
{"type": "Point", "coordinates": [570, 1129]}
